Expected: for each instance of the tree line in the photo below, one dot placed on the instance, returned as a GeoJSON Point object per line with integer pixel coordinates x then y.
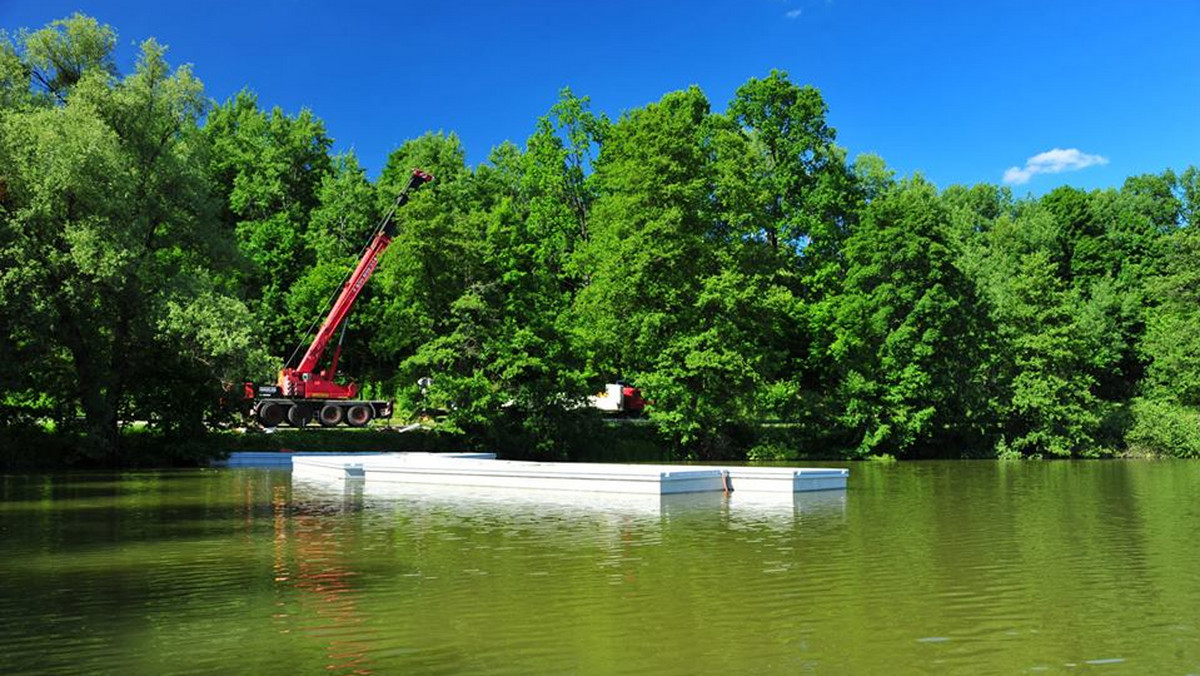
{"type": "Point", "coordinates": [769, 295]}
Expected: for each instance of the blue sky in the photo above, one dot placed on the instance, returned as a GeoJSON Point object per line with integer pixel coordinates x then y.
{"type": "Point", "coordinates": [1041, 93]}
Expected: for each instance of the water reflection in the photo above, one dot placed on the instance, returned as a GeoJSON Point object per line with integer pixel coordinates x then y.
{"type": "Point", "coordinates": [815, 510]}
{"type": "Point", "coordinates": [313, 571]}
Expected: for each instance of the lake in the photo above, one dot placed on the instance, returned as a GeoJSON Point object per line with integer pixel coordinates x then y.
{"type": "Point", "coordinates": [929, 567]}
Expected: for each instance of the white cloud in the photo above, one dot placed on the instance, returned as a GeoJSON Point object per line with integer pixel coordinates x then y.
{"type": "Point", "coordinates": [794, 14]}
{"type": "Point", "coordinates": [1052, 162]}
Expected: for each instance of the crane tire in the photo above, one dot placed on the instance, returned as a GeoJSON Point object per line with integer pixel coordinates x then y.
{"type": "Point", "coordinates": [330, 415]}
{"type": "Point", "coordinates": [270, 414]}
{"type": "Point", "coordinates": [359, 415]}
{"type": "Point", "coordinates": [298, 415]}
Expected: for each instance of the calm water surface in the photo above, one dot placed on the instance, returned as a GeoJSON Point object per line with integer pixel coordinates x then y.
{"type": "Point", "coordinates": [957, 567]}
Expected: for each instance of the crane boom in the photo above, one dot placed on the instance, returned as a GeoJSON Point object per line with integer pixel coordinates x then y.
{"type": "Point", "coordinates": [305, 380]}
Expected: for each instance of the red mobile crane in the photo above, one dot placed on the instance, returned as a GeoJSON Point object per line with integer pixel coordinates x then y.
{"type": "Point", "coordinates": [304, 391]}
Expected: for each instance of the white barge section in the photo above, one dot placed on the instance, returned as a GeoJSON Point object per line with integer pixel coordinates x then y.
{"type": "Point", "coordinates": [484, 471]}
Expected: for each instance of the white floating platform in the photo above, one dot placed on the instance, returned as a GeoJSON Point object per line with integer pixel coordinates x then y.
{"type": "Point", "coordinates": [483, 471]}
{"type": "Point", "coordinates": [344, 466]}
{"type": "Point", "coordinates": [455, 470]}
{"type": "Point", "coordinates": [567, 508]}
{"type": "Point", "coordinates": [786, 479]}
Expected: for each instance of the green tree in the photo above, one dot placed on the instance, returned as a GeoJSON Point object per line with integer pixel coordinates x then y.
{"type": "Point", "coordinates": [435, 255]}
{"type": "Point", "coordinates": [1172, 341]}
{"type": "Point", "coordinates": [268, 169]}
{"type": "Point", "coordinates": [674, 298]}
{"type": "Point", "coordinates": [909, 326]}
{"type": "Point", "coordinates": [790, 199]}
{"type": "Point", "coordinates": [648, 249]}
{"type": "Point", "coordinates": [1053, 410]}
{"type": "Point", "coordinates": [108, 252]}
{"type": "Point", "coordinates": [1050, 340]}
{"type": "Point", "coordinates": [795, 174]}
{"type": "Point", "coordinates": [1110, 245]}
{"type": "Point", "coordinates": [57, 57]}
{"type": "Point", "coordinates": [504, 370]}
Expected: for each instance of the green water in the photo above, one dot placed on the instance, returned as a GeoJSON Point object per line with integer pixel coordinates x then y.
{"type": "Point", "coordinates": [955, 567]}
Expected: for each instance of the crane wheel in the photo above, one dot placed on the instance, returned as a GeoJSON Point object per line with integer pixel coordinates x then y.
{"type": "Point", "coordinates": [270, 414]}
{"type": "Point", "coordinates": [330, 415]}
{"type": "Point", "coordinates": [358, 415]}
{"type": "Point", "coordinates": [298, 416]}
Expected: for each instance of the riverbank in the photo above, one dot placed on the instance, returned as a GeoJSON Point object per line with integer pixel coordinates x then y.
{"type": "Point", "coordinates": [29, 450]}
{"type": "Point", "coordinates": [35, 449]}
{"type": "Point", "coordinates": [611, 441]}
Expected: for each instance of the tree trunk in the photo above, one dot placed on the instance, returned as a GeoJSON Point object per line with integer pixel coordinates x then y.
{"type": "Point", "coordinates": [97, 397]}
{"type": "Point", "coordinates": [102, 441]}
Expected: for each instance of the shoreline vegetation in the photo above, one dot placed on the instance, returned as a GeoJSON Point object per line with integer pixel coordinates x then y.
{"type": "Point", "coordinates": [46, 451]}
{"type": "Point", "coordinates": [615, 441]}
{"type": "Point", "coordinates": [158, 248]}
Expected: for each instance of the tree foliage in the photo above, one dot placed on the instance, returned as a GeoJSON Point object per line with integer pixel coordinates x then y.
{"type": "Point", "coordinates": [110, 257]}
{"type": "Point", "coordinates": [767, 293]}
